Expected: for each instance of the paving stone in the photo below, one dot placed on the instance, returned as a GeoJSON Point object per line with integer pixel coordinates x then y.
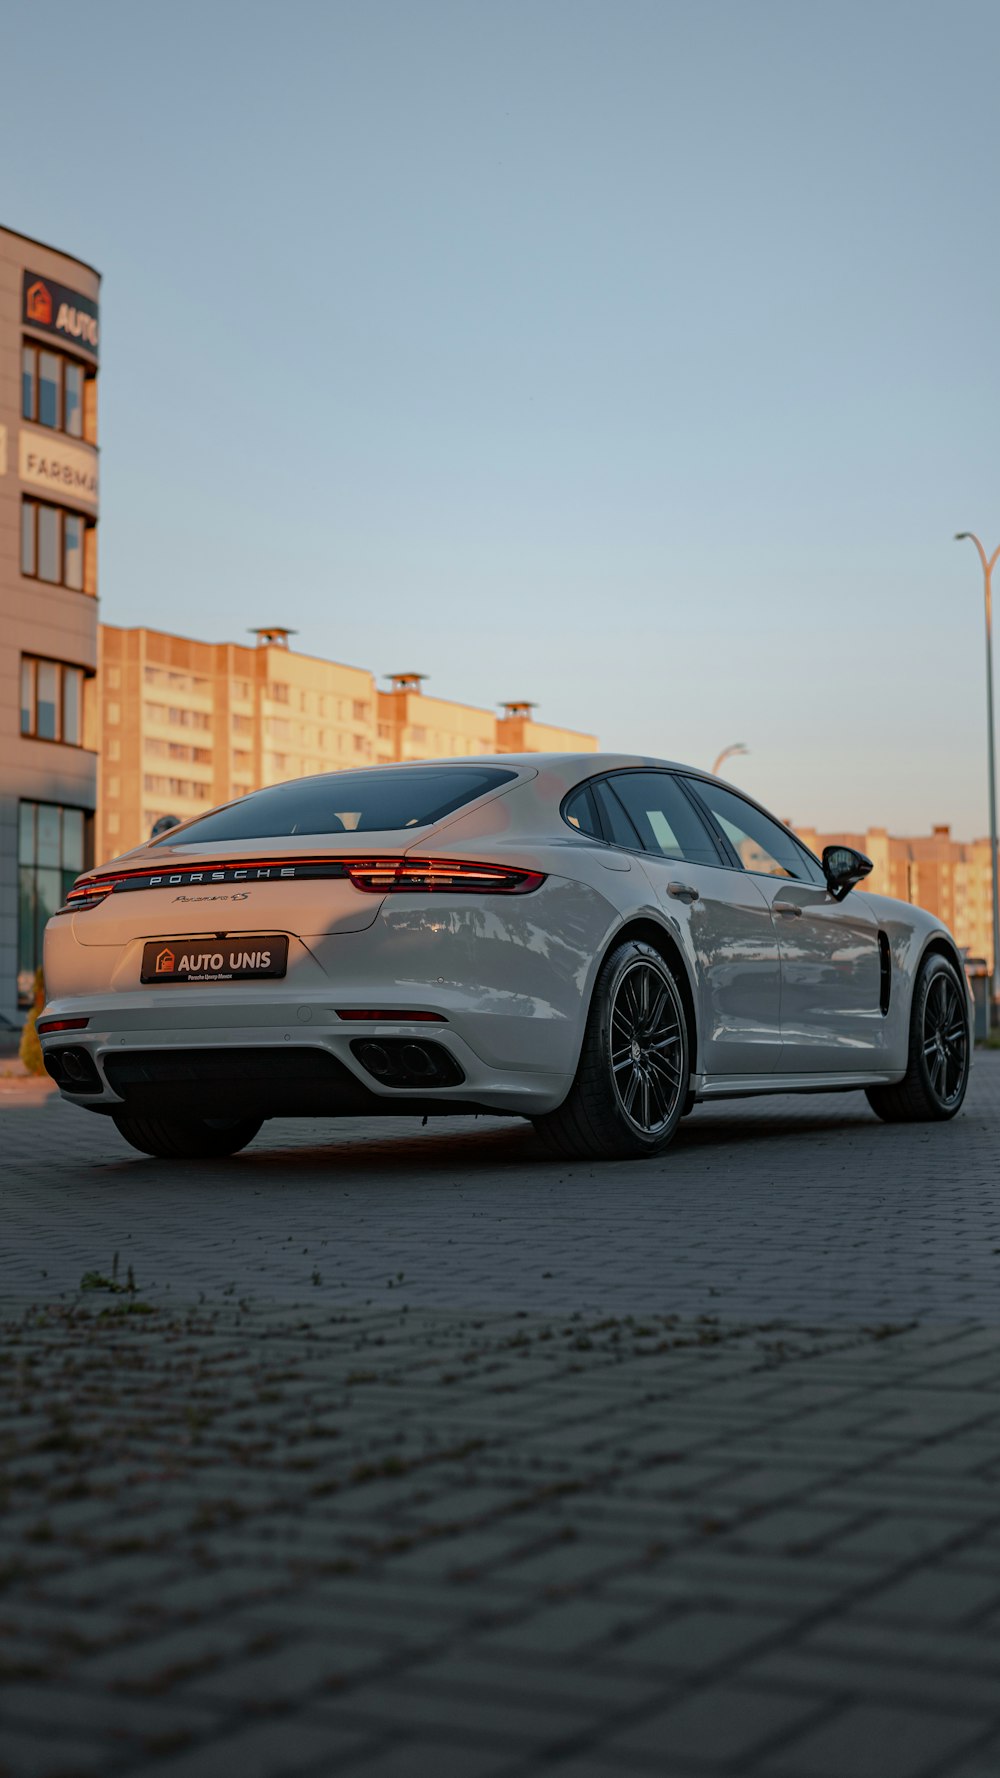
{"type": "Point", "coordinates": [935, 1595]}
{"type": "Point", "coordinates": [725, 1725]}
{"type": "Point", "coordinates": [873, 1741]}
{"type": "Point", "coordinates": [265, 1749]}
{"type": "Point", "coordinates": [560, 1629]}
{"type": "Point", "coordinates": [25, 1755]}
{"type": "Point", "coordinates": [697, 1641]}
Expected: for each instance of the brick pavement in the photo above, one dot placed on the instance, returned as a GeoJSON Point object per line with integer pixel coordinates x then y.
{"type": "Point", "coordinates": [792, 1206]}
{"type": "Point", "coordinates": [718, 1496]}
{"type": "Point", "coordinates": [425, 1542]}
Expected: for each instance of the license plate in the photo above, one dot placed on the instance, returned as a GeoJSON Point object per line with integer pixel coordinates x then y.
{"type": "Point", "coordinates": [214, 960]}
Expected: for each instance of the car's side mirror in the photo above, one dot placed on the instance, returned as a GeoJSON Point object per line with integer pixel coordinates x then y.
{"type": "Point", "coordinates": [843, 868]}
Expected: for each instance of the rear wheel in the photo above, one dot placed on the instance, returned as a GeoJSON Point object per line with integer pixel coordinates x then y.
{"type": "Point", "coordinates": [188, 1139]}
{"type": "Point", "coordinates": [937, 1073]}
{"type": "Point", "coordinates": [631, 1087]}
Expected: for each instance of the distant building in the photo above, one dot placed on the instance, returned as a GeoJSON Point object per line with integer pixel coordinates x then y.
{"type": "Point", "coordinates": [49, 346]}
{"type": "Point", "coordinates": [518, 732]}
{"type": "Point", "coordinates": [412, 725]}
{"type": "Point", "coordinates": [951, 878]}
{"type": "Point", "coordinates": [185, 725]}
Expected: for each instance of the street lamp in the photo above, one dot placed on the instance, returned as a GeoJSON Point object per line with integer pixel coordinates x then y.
{"type": "Point", "coordinates": [988, 567]}
{"type": "Point", "coordinates": [726, 753]}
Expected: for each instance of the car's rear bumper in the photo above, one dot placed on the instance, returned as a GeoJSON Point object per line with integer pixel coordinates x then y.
{"type": "Point", "coordinates": [235, 1054]}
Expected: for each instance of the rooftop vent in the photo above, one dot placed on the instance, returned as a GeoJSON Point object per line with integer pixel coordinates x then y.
{"type": "Point", "coordinates": [517, 707]}
{"type": "Point", "coordinates": [406, 681]}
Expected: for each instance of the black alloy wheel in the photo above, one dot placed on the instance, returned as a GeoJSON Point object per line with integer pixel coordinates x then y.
{"type": "Point", "coordinates": [937, 1074]}
{"type": "Point", "coordinates": [632, 1082]}
{"type": "Point", "coordinates": [945, 1040]}
{"type": "Point", "coordinates": [647, 1045]}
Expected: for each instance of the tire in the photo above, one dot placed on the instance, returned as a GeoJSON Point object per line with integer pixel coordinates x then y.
{"type": "Point", "coordinates": [187, 1139]}
{"type": "Point", "coordinates": [631, 1086]}
{"type": "Point", "coordinates": [937, 1071]}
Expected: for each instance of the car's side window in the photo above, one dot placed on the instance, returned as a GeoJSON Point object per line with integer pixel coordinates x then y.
{"type": "Point", "coordinates": [665, 819]}
{"type": "Point", "coordinates": [579, 812]}
{"type": "Point", "coordinates": [762, 845]}
{"type": "Point", "coordinates": [617, 825]}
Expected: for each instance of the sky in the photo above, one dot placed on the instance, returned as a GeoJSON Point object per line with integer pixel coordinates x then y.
{"type": "Point", "coordinates": [638, 357]}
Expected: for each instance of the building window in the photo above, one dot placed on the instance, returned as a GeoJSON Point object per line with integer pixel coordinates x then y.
{"type": "Point", "coordinates": [59, 392]}
{"type": "Point", "coordinates": [187, 787]}
{"type": "Point", "coordinates": [58, 546]}
{"type": "Point", "coordinates": [278, 692]}
{"type": "Point", "coordinates": [52, 701]}
{"type": "Point", "coordinates": [53, 848]}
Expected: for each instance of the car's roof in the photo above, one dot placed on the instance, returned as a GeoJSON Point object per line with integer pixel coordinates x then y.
{"type": "Point", "coordinates": [589, 764]}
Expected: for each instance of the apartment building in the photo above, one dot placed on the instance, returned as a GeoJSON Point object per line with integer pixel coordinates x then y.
{"type": "Point", "coordinates": [951, 878]}
{"type": "Point", "coordinates": [185, 725]}
{"type": "Point", "coordinates": [49, 344]}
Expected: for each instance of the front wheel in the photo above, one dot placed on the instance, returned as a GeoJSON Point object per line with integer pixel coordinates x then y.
{"type": "Point", "coordinates": [189, 1138]}
{"type": "Point", "coordinates": [631, 1086]}
{"type": "Point", "coordinates": [937, 1073]}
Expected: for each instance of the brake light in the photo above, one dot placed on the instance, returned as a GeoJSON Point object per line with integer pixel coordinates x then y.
{"type": "Point", "coordinates": [90, 895]}
{"type": "Point", "coordinates": [431, 876]}
{"type": "Point", "coordinates": [46, 1026]}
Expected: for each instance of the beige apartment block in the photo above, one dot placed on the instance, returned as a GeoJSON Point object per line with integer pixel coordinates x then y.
{"type": "Point", "coordinates": [951, 878]}
{"type": "Point", "coordinates": [412, 725]}
{"type": "Point", "coordinates": [186, 725]}
{"type": "Point", "coordinates": [518, 732]}
{"type": "Point", "coordinates": [49, 347]}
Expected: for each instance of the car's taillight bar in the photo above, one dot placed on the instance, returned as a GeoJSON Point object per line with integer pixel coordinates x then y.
{"type": "Point", "coordinates": [45, 1027]}
{"type": "Point", "coordinates": [375, 876]}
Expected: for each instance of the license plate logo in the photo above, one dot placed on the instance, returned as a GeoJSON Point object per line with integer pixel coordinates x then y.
{"type": "Point", "coordinates": [214, 959]}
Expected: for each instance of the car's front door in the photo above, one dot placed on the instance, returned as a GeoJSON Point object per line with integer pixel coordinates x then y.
{"type": "Point", "coordinates": [831, 1018]}
{"type": "Point", "coordinates": [722, 913]}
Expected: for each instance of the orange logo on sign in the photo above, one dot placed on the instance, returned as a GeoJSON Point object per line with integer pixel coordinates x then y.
{"type": "Point", "coordinates": [165, 962]}
{"type": "Point", "coordinates": [38, 303]}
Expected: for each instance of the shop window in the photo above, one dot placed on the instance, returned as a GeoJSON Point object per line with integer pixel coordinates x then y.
{"type": "Point", "coordinates": [53, 848]}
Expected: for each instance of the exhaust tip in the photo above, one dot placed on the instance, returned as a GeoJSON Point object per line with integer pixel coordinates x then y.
{"type": "Point", "coordinates": [401, 1063]}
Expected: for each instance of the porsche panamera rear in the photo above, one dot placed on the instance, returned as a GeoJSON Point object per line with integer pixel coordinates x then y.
{"type": "Point", "coordinates": [594, 942]}
{"type": "Point", "coordinates": [399, 940]}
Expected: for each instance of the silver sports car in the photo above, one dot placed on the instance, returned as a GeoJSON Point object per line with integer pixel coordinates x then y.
{"type": "Point", "coordinates": [597, 943]}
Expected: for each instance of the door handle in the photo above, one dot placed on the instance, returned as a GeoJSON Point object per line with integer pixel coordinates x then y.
{"type": "Point", "coordinates": [787, 907]}
{"type": "Point", "coordinates": [682, 892]}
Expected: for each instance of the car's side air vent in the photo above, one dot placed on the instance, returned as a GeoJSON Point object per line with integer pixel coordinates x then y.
{"type": "Point", "coordinates": [884, 973]}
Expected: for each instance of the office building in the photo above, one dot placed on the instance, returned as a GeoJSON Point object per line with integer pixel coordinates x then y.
{"type": "Point", "coordinates": [49, 347]}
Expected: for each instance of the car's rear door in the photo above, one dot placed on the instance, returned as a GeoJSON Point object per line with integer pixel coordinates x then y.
{"type": "Point", "coordinates": [831, 1016]}
{"type": "Point", "coordinates": [726, 916]}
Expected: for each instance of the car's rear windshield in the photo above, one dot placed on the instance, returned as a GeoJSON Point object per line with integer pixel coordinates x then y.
{"type": "Point", "coordinates": [379, 801]}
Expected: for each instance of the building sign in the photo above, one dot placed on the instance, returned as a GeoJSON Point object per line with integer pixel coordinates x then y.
{"type": "Point", "coordinates": [67, 314]}
{"type": "Point", "coordinates": [58, 468]}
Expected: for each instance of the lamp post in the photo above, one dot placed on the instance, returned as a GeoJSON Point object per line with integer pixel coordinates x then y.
{"type": "Point", "coordinates": [726, 753]}
{"type": "Point", "coordinates": [989, 564]}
